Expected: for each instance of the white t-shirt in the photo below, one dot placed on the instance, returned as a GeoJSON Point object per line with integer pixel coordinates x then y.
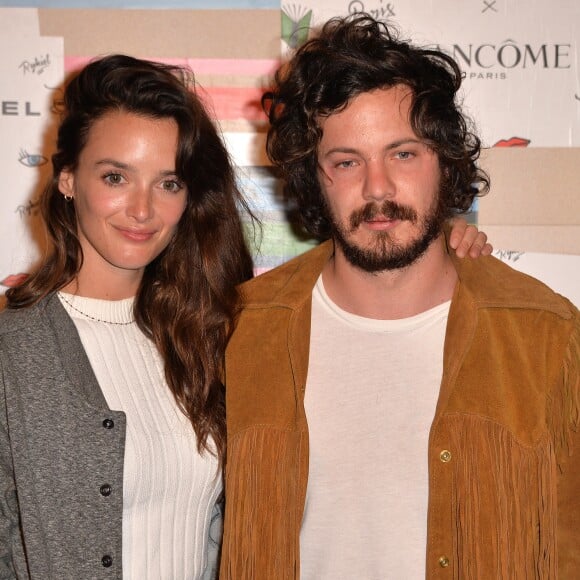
{"type": "Point", "coordinates": [371, 394]}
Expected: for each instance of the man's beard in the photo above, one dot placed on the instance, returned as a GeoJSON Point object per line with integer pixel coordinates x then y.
{"type": "Point", "coordinates": [385, 253]}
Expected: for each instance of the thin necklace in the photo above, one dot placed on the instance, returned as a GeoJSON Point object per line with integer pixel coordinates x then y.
{"type": "Point", "coordinates": [63, 297]}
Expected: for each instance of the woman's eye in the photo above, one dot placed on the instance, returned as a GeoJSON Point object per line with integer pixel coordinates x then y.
{"type": "Point", "coordinates": [345, 164]}
{"type": "Point", "coordinates": [172, 185]}
{"type": "Point", "coordinates": [404, 155]}
{"type": "Point", "coordinates": [114, 178]}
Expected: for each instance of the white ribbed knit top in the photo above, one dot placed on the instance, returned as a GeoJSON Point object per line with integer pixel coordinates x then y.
{"type": "Point", "coordinates": [169, 488]}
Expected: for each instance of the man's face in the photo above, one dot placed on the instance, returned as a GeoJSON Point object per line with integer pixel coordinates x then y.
{"type": "Point", "coordinates": [380, 182]}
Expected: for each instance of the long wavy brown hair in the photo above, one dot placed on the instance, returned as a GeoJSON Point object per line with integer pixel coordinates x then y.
{"type": "Point", "coordinates": [354, 55]}
{"type": "Point", "coordinates": [187, 300]}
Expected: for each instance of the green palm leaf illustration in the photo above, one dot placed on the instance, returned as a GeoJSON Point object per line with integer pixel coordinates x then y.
{"type": "Point", "coordinates": [296, 33]}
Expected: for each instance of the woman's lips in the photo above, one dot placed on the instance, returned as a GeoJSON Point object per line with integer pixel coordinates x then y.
{"type": "Point", "coordinates": [136, 235]}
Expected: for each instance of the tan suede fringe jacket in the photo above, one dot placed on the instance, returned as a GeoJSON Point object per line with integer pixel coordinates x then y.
{"type": "Point", "coordinates": [504, 475]}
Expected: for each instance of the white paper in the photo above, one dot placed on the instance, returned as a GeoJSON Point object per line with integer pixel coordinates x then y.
{"type": "Point", "coordinates": [31, 72]}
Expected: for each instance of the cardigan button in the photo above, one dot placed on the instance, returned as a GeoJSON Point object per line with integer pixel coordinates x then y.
{"type": "Point", "coordinates": [108, 423]}
{"type": "Point", "coordinates": [445, 456]}
{"type": "Point", "coordinates": [444, 561]}
{"type": "Point", "coordinates": [107, 561]}
{"type": "Point", "coordinates": [105, 489]}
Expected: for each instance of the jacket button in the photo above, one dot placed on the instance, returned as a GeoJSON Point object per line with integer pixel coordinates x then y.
{"type": "Point", "coordinates": [107, 561]}
{"type": "Point", "coordinates": [108, 423]}
{"type": "Point", "coordinates": [445, 456]}
{"type": "Point", "coordinates": [105, 489]}
{"type": "Point", "coordinates": [444, 561]}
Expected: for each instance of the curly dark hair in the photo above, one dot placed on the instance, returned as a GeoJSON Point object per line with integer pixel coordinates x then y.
{"type": "Point", "coordinates": [354, 55]}
{"type": "Point", "coordinates": [187, 299]}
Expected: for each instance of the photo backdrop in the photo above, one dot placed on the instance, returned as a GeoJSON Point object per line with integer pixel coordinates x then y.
{"type": "Point", "coordinates": [522, 88]}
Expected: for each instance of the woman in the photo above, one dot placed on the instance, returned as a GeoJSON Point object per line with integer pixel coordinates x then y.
{"type": "Point", "coordinates": [112, 420]}
{"type": "Point", "coordinates": [110, 352]}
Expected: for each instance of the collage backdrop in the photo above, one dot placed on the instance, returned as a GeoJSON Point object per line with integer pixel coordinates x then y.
{"type": "Point", "coordinates": [519, 57]}
{"type": "Point", "coordinates": [522, 88]}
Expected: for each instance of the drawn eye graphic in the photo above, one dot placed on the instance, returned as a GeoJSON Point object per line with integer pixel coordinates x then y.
{"type": "Point", "coordinates": [32, 160]}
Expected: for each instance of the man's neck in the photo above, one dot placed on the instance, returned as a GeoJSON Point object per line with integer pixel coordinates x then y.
{"type": "Point", "coordinates": [392, 294]}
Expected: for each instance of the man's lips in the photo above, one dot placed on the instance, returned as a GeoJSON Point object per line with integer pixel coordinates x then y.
{"type": "Point", "coordinates": [381, 223]}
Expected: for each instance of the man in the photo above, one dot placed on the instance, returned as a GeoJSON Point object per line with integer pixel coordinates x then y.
{"type": "Point", "coordinates": [393, 412]}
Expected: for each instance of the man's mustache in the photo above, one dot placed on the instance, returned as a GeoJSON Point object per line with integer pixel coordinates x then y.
{"type": "Point", "coordinates": [388, 209]}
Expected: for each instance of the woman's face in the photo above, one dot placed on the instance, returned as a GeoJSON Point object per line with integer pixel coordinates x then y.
{"type": "Point", "coordinates": [128, 200]}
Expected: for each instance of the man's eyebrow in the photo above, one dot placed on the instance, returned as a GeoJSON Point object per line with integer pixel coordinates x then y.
{"type": "Point", "coordinates": [393, 145]}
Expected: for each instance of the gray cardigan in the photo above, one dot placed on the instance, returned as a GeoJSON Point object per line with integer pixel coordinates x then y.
{"type": "Point", "coordinates": [61, 455]}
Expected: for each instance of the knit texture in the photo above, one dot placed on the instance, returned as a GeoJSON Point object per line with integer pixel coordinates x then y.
{"type": "Point", "coordinates": [169, 489]}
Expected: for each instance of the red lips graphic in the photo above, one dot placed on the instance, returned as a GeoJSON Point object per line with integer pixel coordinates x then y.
{"type": "Point", "coordinates": [13, 280]}
{"type": "Point", "coordinates": [513, 142]}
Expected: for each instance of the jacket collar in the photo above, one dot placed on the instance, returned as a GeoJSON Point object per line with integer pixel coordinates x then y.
{"type": "Point", "coordinates": [489, 283]}
{"type": "Point", "coordinates": [291, 284]}
{"type": "Point", "coordinates": [483, 283]}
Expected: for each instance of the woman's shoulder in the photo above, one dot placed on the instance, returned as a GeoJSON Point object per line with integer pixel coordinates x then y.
{"type": "Point", "coordinates": [25, 319]}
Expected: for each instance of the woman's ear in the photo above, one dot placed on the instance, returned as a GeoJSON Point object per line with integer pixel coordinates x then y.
{"type": "Point", "coordinates": [66, 182]}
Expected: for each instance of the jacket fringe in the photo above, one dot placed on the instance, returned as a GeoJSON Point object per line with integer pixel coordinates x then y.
{"type": "Point", "coordinates": [256, 545]}
{"type": "Point", "coordinates": [519, 484]}
{"type": "Point", "coordinates": [564, 404]}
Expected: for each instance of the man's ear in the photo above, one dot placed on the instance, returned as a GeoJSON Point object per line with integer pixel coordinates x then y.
{"type": "Point", "coordinates": [66, 183]}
